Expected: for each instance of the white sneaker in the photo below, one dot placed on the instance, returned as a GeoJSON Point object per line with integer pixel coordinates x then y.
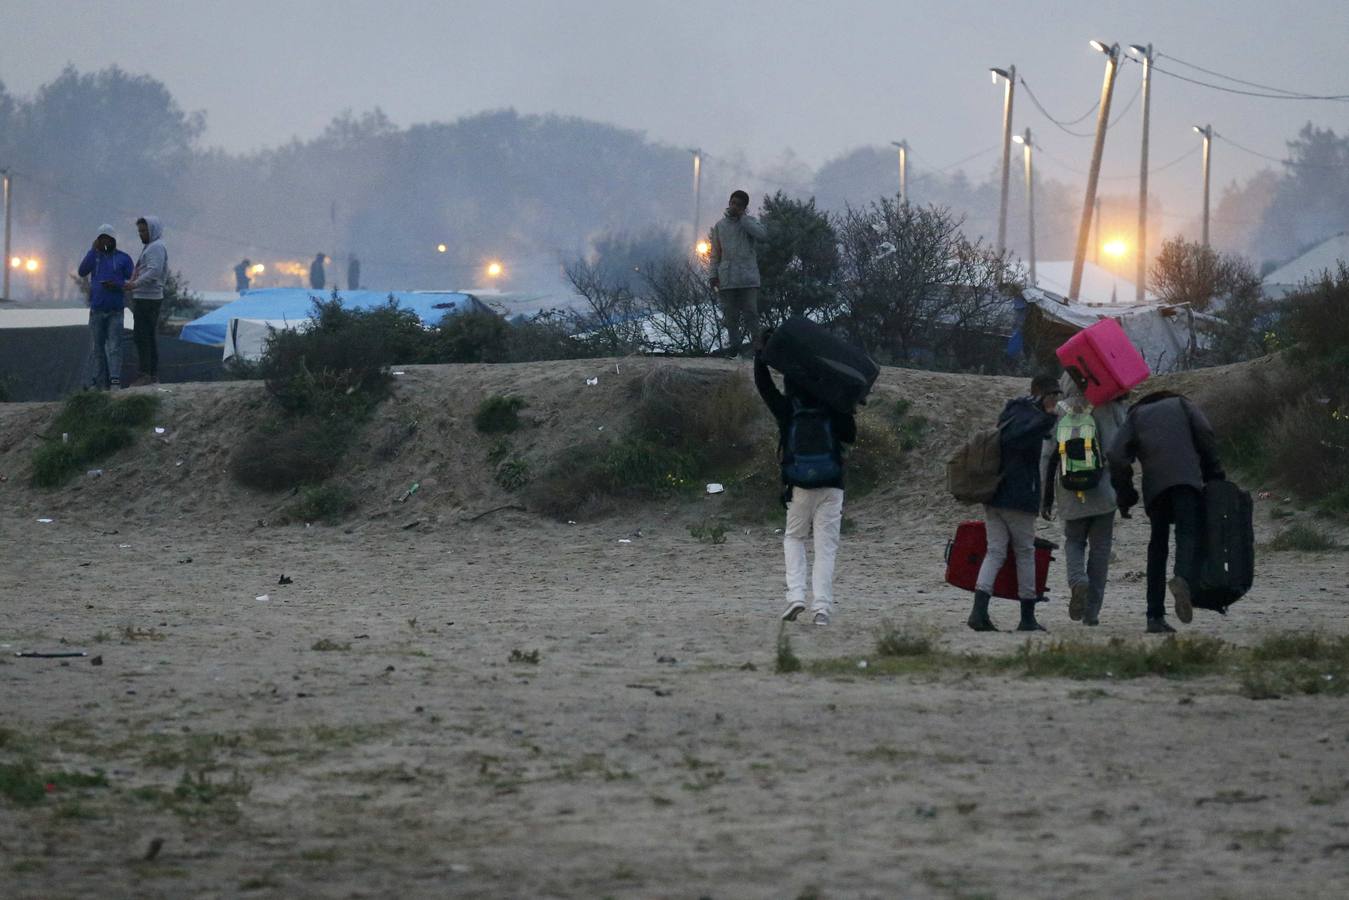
{"type": "Point", "coordinates": [821, 617]}
{"type": "Point", "coordinates": [794, 609]}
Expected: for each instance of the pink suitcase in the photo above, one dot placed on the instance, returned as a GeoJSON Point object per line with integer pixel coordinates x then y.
{"type": "Point", "coordinates": [1103, 361]}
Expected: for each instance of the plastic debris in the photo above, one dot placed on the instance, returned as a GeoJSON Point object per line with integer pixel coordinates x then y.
{"type": "Point", "coordinates": [399, 372]}
{"type": "Point", "coordinates": [95, 473]}
{"type": "Point", "coordinates": [861, 664]}
{"type": "Point", "coordinates": [178, 463]}
{"type": "Point", "coordinates": [263, 598]}
{"type": "Point", "coordinates": [715, 488]}
{"type": "Point", "coordinates": [410, 491]}
{"type": "Point", "coordinates": [61, 654]}
{"type": "Point", "coordinates": [65, 437]}
{"type": "Point", "coordinates": [46, 521]}
{"type": "Point", "coordinates": [160, 429]}
{"type": "Point", "coordinates": [285, 579]}
{"type": "Point", "coordinates": [593, 381]}
{"type": "Point", "coordinates": [123, 546]}
{"type": "Point", "coordinates": [625, 540]}
{"type": "Point", "coordinates": [571, 521]}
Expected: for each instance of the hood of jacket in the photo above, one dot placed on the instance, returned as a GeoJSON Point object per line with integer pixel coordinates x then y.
{"type": "Point", "coordinates": [153, 225]}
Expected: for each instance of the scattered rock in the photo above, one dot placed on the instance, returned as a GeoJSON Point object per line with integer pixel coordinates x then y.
{"type": "Point", "coordinates": [96, 661]}
{"type": "Point", "coordinates": [152, 851]}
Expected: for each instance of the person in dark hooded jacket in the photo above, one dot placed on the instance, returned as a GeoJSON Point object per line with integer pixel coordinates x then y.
{"type": "Point", "coordinates": [1175, 447]}
{"type": "Point", "coordinates": [814, 508]}
{"type": "Point", "coordinates": [1009, 518]}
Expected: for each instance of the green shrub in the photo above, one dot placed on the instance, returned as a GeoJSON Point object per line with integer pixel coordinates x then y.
{"type": "Point", "coordinates": [1173, 657]}
{"type": "Point", "coordinates": [513, 474]}
{"type": "Point", "coordinates": [786, 659]}
{"type": "Point", "coordinates": [475, 337]}
{"type": "Point", "coordinates": [289, 453]}
{"type": "Point", "coordinates": [498, 414]}
{"type": "Point", "coordinates": [1304, 538]}
{"type": "Point", "coordinates": [709, 532]}
{"type": "Point", "coordinates": [327, 503]}
{"type": "Point", "coordinates": [97, 426]}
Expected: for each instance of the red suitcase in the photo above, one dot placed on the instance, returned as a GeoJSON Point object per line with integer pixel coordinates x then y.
{"type": "Point", "coordinates": [1103, 362]}
{"type": "Point", "coordinates": [965, 554]}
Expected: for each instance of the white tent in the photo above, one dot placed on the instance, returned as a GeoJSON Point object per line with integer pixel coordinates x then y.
{"type": "Point", "coordinates": [246, 338]}
{"type": "Point", "coordinates": [1099, 285]}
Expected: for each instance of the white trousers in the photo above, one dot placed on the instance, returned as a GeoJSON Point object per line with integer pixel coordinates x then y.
{"type": "Point", "coordinates": [819, 510]}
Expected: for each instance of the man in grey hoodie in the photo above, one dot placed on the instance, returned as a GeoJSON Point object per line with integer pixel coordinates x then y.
{"type": "Point", "coordinates": [147, 296]}
{"type": "Point", "coordinates": [735, 270]}
{"type": "Point", "coordinates": [1089, 513]}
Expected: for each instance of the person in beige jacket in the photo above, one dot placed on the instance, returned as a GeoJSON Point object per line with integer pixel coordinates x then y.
{"type": "Point", "coordinates": [735, 271]}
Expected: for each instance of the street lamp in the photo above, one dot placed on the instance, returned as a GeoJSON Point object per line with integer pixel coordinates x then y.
{"type": "Point", "coordinates": [1025, 142]}
{"type": "Point", "coordinates": [1207, 133]}
{"type": "Point", "coordinates": [1094, 173]}
{"type": "Point", "coordinates": [1009, 76]}
{"type": "Point", "coordinates": [493, 269]}
{"type": "Point", "coordinates": [903, 147]}
{"type": "Point", "coordinates": [32, 265]}
{"type": "Point", "coordinates": [441, 248]}
{"type": "Point", "coordinates": [1144, 55]}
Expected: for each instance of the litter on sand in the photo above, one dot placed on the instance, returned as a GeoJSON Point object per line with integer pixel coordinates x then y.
{"type": "Point", "coordinates": [160, 429]}
{"type": "Point", "coordinates": [38, 654]}
{"type": "Point", "coordinates": [715, 488]}
{"type": "Point", "coordinates": [95, 473]}
{"type": "Point", "coordinates": [262, 598]}
{"type": "Point", "coordinates": [46, 521]}
{"type": "Point", "coordinates": [625, 540]}
{"type": "Point", "coordinates": [399, 372]}
{"type": "Point", "coordinates": [593, 381]}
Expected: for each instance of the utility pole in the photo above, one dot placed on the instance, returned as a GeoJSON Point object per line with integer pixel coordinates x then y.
{"type": "Point", "coordinates": [1094, 173]}
{"type": "Point", "coordinates": [903, 169]}
{"type": "Point", "coordinates": [697, 191]}
{"type": "Point", "coordinates": [1141, 251]}
{"type": "Point", "coordinates": [1207, 132]}
{"type": "Point", "coordinates": [1026, 145]}
{"type": "Point", "coordinates": [9, 197]}
{"type": "Point", "coordinates": [1096, 230]}
{"type": "Point", "coordinates": [1009, 76]}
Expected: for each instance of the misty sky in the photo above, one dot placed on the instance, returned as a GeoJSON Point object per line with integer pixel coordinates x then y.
{"type": "Point", "coordinates": [764, 79]}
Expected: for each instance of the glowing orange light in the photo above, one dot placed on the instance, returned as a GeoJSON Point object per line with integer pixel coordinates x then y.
{"type": "Point", "coordinates": [1115, 247]}
{"type": "Point", "coordinates": [15, 262]}
{"type": "Point", "coordinates": [493, 269]}
{"type": "Point", "coordinates": [32, 265]}
{"type": "Point", "coordinates": [703, 248]}
{"type": "Point", "coordinates": [441, 248]}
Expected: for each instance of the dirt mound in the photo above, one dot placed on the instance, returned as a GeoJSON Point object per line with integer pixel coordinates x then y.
{"type": "Point", "coordinates": [424, 434]}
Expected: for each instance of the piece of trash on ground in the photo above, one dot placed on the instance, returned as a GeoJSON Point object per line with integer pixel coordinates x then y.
{"type": "Point", "coordinates": [123, 546]}
{"type": "Point", "coordinates": [571, 521]}
{"type": "Point", "coordinates": [46, 521]}
{"type": "Point", "coordinates": [624, 540]}
{"type": "Point", "coordinates": [715, 488]}
{"type": "Point", "coordinates": [159, 429]}
{"type": "Point", "coordinates": [410, 491]}
{"type": "Point", "coordinates": [61, 654]}
{"type": "Point", "coordinates": [95, 473]}
{"type": "Point", "coordinates": [399, 372]}
{"type": "Point", "coordinates": [593, 381]}
{"type": "Point", "coordinates": [413, 524]}
{"type": "Point", "coordinates": [285, 579]}
{"type": "Point", "coordinates": [263, 598]}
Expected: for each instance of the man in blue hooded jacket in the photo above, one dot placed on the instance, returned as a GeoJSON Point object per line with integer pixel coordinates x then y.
{"type": "Point", "coordinates": [108, 270]}
{"type": "Point", "coordinates": [1009, 517]}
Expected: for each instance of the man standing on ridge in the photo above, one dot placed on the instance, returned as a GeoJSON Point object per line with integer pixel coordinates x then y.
{"type": "Point", "coordinates": [317, 280]}
{"type": "Point", "coordinates": [107, 269]}
{"type": "Point", "coordinates": [241, 279]}
{"type": "Point", "coordinates": [147, 296]}
{"type": "Point", "coordinates": [735, 271]}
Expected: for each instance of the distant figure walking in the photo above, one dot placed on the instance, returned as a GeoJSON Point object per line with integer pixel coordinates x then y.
{"type": "Point", "coordinates": [147, 296]}
{"type": "Point", "coordinates": [317, 280]}
{"type": "Point", "coordinates": [241, 279]}
{"type": "Point", "coordinates": [353, 273]}
{"type": "Point", "coordinates": [1175, 447]}
{"type": "Point", "coordinates": [107, 269]}
{"type": "Point", "coordinates": [735, 271]}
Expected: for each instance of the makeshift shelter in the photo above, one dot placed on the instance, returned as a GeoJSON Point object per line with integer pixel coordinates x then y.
{"type": "Point", "coordinates": [1326, 256]}
{"type": "Point", "coordinates": [45, 354]}
{"type": "Point", "coordinates": [1099, 285]}
{"type": "Point", "coordinates": [279, 308]}
{"type": "Point", "coordinates": [1167, 336]}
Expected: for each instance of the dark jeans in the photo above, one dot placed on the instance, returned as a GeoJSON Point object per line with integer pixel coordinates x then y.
{"type": "Point", "coordinates": [105, 332]}
{"type": "Point", "coordinates": [146, 334]}
{"type": "Point", "coordinates": [740, 311]}
{"type": "Point", "coordinates": [1182, 506]}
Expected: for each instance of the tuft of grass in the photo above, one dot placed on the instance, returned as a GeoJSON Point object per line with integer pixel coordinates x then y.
{"type": "Point", "coordinates": [521, 656]}
{"type": "Point", "coordinates": [1304, 538]}
{"type": "Point", "coordinates": [1174, 657]}
{"type": "Point", "coordinates": [23, 784]}
{"type": "Point", "coordinates": [498, 414]}
{"type": "Point", "coordinates": [326, 503]}
{"type": "Point", "coordinates": [1280, 512]}
{"type": "Point", "coordinates": [286, 453]}
{"type": "Point", "coordinates": [787, 660]}
{"type": "Point", "coordinates": [97, 426]}
{"type": "Point", "coordinates": [894, 641]}
{"type": "Point", "coordinates": [512, 475]}
{"type": "Point", "coordinates": [325, 645]}
{"type": "Point", "coordinates": [709, 531]}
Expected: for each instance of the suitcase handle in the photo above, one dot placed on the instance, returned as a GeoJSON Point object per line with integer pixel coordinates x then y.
{"type": "Point", "coordinates": [949, 544]}
{"type": "Point", "coordinates": [1086, 372]}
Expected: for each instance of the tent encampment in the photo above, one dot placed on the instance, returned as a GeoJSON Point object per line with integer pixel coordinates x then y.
{"type": "Point", "coordinates": [1325, 257]}
{"type": "Point", "coordinates": [290, 307]}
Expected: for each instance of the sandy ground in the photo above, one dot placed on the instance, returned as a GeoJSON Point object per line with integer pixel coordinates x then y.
{"type": "Point", "coordinates": [651, 751]}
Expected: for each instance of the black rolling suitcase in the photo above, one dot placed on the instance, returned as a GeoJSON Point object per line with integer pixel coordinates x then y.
{"type": "Point", "coordinates": [833, 370]}
{"type": "Point", "coordinates": [1226, 547]}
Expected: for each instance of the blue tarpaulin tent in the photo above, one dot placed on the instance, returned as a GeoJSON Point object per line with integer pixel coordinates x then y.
{"type": "Point", "coordinates": [280, 305]}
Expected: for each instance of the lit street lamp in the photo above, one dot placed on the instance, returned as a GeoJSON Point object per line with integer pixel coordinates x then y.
{"type": "Point", "coordinates": [494, 269]}
{"type": "Point", "coordinates": [1009, 76]}
{"type": "Point", "coordinates": [697, 191]}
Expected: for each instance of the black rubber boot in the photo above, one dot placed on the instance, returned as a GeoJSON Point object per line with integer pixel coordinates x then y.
{"type": "Point", "coordinates": [1160, 626]}
{"type": "Point", "coordinates": [979, 619]}
{"type": "Point", "coordinates": [1028, 622]}
{"type": "Point", "coordinates": [1093, 614]}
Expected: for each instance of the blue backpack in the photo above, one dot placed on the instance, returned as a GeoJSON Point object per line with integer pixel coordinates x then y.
{"type": "Point", "coordinates": [810, 456]}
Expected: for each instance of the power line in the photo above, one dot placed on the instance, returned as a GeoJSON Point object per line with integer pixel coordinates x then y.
{"type": "Point", "coordinates": [1152, 171]}
{"type": "Point", "coordinates": [1298, 95]}
{"type": "Point", "coordinates": [1081, 134]}
{"type": "Point", "coordinates": [1265, 94]}
{"type": "Point", "coordinates": [1281, 160]}
{"type": "Point", "coordinates": [949, 166]}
